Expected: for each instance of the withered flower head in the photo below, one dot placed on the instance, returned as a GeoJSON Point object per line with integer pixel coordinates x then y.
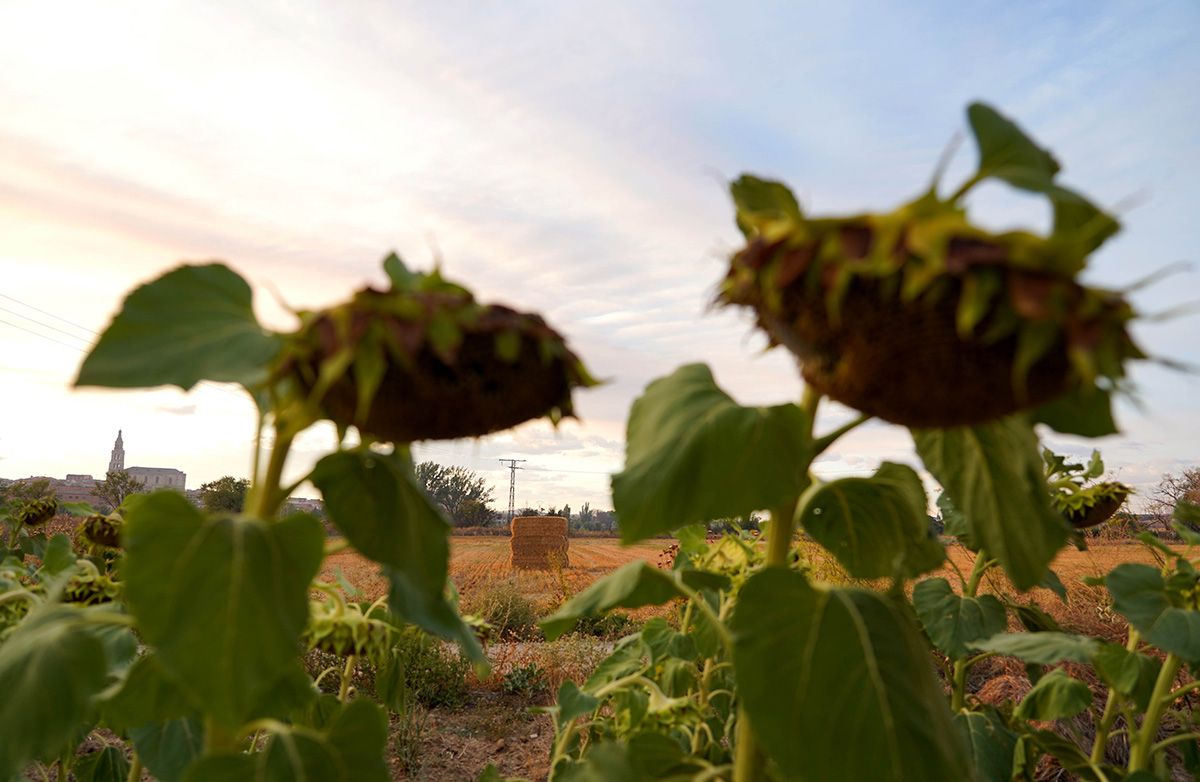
{"type": "Point", "coordinates": [423, 360]}
{"type": "Point", "coordinates": [922, 318]}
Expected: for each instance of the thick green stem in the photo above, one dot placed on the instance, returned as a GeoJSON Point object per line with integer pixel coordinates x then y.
{"type": "Point", "coordinates": [749, 763]}
{"type": "Point", "coordinates": [820, 444]}
{"type": "Point", "coordinates": [966, 186]}
{"type": "Point", "coordinates": [1139, 753]}
{"type": "Point", "coordinates": [1111, 712]}
{"type": "Point", "coordinates": [779, 536]}
{"type": "Point", "coordinates": [697, 599]}
{"type": "Point", "coordinates": [135, 769]}
{"type": "Point", "coordinates": [267, 496]}
{"type": "Point", "coordinates": [218, 740]}
{"type": "Point", "coordinates": [347, 677]}
{"type": "Point", "coordinates": [958, 696]}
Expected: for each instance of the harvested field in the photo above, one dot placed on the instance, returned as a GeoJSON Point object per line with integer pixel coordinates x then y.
{"type": "Point", "coordinates": [478, 561]}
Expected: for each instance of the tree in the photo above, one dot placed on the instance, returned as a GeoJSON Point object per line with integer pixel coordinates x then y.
{"type": "Point", "coordinates": [224, 494]}
{"type": "Point", "coordinates": [750, 522]}
{"type": "Point", "coordinates": [1172, 490]}
{"type": "Point", "coordinates": [473, 513]}
{"type": "Point", "coordinates": [25, 490]}
{"type": "Point", "coordinates": [116, 486]}
{"type": "Point", "coordinates": [463, 493]}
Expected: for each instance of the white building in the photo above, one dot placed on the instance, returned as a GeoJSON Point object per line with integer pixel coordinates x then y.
{"type": "Point", "coordinates": [153, 477]}
{"type": "Point", "coordinates": [159, 477]}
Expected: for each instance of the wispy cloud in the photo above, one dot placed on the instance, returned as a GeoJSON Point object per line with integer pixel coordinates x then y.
{"type": "Point", "coordinates": [563, 159]}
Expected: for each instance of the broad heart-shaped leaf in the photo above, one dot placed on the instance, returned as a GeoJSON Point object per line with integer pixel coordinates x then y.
{"type": "Point", "coordinates": [1055, 696]}
{"type": "Point", "coordinates": [1086, 412]}
{"type": "Point", "coordinates": [1041, 648]}
{"type": "Point", "coordinates": [954, 523]}
{"type": "Point", "coordinates": [838, 684]}
{"type": "Point", "coordinates": [877, 527]}
{"type": "Point", "coordinates": [1005, 152]}
{"type": "Point", "coordinates": [642, 757]}
{"type": "Point", "coordinates": [144, 696]}
{"type": "Point", "coordinates": [633, 585]}
{"type": "Point", "coordinates": [351, 749]}
{"type": "Point", "coordinates": [571, 703]}
{"type": "Point", "coordinates": [1132, 674]}
{"type": "Point", "coordinates": [1187, 520]}
{"type": "Point", "coordinates": [222, 600]}
{"type": "Point", "coordinates": [993, 475]}
{"type": "Point", "coordinates": [193, 323]}
{"type": "Point", "coordinates": [168, 748]}
{"type": "Point", "coordinates": [694, 454]}
{"type": "Point", "coordinates": [991, 743]}
{"type": "Point", "coordinates": [59, 556]}
{"type": "Point", "coordinates": [1141, 595]}
{"type": "Point", "coordinates": [378, 504]}
{"type": "Point", "coordinates": [51, 666]}
{"type": "Point", "coordinates": [107, 764]}
{"type": "Point", "coordinates": [1052, 582]}
{"type": "Point", "coordinates": [954, 623]}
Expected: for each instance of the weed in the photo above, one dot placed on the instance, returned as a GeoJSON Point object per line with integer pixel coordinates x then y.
{"type": "Point", "coordinates": [526, 681]}
{"type": "Point", "coordinates": [502, 605]}
{"type": "Point", "coordinates": [609, 626]}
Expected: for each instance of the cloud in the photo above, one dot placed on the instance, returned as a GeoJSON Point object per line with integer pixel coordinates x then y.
{"type": "Point", "coordinates": [189, 409]}
{"type": "Point", "coordinates": [570, 174]}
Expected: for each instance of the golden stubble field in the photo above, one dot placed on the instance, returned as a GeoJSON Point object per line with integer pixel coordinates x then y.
{"type": "Point", "coordinates": [477, 561]}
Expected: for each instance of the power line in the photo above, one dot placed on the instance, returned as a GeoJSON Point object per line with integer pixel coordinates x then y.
{"type": "Point", "coordinates": [51, 314]}
{"type": "Point", "coordinates": [43, 325]}
{"type": "Point", "coordinates": [43, 336]}
{"type": "Point", "coordinates": [217, 386]}
{"type": "Point", "coordinates": [577, 472]}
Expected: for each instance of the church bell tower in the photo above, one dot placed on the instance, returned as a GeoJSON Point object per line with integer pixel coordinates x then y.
{"type": "Point", "coordinates": [116, 462]}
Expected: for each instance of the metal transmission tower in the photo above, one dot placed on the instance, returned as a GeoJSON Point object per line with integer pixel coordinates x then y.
{"type": "Point", "coordinates": [512, 484]}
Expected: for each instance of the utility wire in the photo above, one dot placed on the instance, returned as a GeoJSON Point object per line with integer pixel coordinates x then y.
{"type": "Point", "coordinates": [44, 325]}
{"type": "Point", "coordinates": [43, 336]}
{"type": "Point", "coordinates": [51, 314]}
{"type": "Point", "coordinates": [223, 389]}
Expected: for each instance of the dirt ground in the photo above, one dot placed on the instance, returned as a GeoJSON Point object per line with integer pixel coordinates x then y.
{"type": "Point", "coordinates": [494, 727]}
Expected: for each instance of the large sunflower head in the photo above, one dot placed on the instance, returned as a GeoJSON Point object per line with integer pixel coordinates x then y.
{"type": "Point", "coordinates": [422, 360]}
{"type": "Point", "coordinates": [920, 316]}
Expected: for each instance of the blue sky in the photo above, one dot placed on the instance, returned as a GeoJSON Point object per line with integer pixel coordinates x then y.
{"type": "Point", "coordinates": [561, 157]}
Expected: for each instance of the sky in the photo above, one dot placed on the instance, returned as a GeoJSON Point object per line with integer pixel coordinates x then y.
{"type": "Point", "coordinates": [565, 158]}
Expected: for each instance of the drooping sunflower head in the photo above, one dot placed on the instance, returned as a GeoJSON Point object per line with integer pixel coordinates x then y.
{"type": "Point", "coordinates": [422, 360]}
{"type": "Point", "coordinates": [923, 318]}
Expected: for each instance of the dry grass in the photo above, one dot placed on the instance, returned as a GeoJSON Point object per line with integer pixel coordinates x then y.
{"type": "Point", "coordinates": [480, 561]}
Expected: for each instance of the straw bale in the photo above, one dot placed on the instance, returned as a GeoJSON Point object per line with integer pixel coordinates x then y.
{"type": "Point", "coordinates": [539, 525]}
{"type": "Point", "coordinates": [539, 542]}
